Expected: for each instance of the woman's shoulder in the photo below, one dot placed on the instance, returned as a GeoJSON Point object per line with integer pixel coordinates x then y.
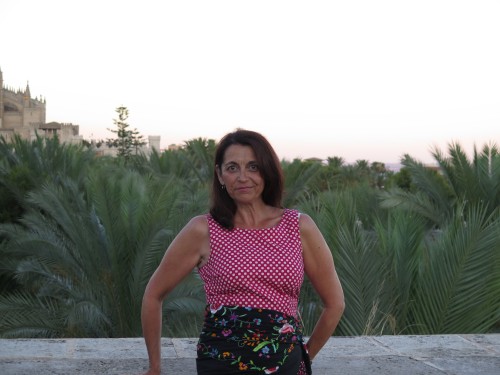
{"type": "Point", "coordinates": [198, 224]}
{"type": "Point", "coordinates": [306, 223]}
{"type": "Point", "coordinates": [200, 220]}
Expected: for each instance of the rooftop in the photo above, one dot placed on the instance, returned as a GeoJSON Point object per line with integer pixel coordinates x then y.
{"type": "Point", "coordinates": [408, 355]}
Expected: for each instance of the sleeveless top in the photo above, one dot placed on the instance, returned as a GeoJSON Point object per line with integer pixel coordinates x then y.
{"type": "Point", "coordinates": [258, 268]}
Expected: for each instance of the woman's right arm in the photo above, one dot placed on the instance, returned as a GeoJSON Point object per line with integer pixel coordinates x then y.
{"type": "Point", "coordinates": [190, 247]}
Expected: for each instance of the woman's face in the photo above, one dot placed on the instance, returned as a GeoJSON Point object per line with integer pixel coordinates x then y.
{"type": "Point", "coordinates": [240, 174]}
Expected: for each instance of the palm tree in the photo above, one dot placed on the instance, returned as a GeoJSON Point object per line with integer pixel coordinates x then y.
{"type": "Point", "coordinates": [192, 163]}
{"type": "Point", "coordinates": [25, 165]}
{"type": "Point", "coordinates": [400, 239]}
{"type": "Point", "coordinates": [84, 258]}
{"type": "Point", "coordinates": [442, 274]}
{"type": "Point", "coordinates": [335, 162]}
{"type": "Point", "coordinates": [300, 180]}
{"type": "Point", "coordinates": [473, 181]}
{"type": "Point", "coordinates": [200, 154]}
{"type": "Point", "coordinates": [400, 277]}
{"type": "Point", "coordinates": [457, 180]}
{"type": "Point", "coordinates": [458, 287]}
{"type": "Point", "coordinates": [358, 264]}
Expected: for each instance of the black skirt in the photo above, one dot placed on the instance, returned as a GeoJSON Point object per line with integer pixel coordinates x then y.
{"type": "Point", "coordinates": [242, 340]}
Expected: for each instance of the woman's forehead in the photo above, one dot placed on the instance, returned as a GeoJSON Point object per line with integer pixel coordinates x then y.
{"type": "Point", "coordinates": [236, 153]}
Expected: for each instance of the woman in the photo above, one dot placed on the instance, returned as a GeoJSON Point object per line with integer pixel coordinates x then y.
{"type": "Point", "coordinates": [252, 255]}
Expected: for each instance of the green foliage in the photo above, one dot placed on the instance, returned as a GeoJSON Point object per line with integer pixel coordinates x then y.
{"type": "Point", "coordinates": [459, 278]}
{"type": "Point", "coordinates": [400, 242]}
{"type": "Point", "coordinates": [191, 164]}
{"type": "Point", "coordinates": [402, 180]}
{"type": "Point", "coordinates": [437, 191]}
{"type": "Point", "coordinates": [25, 165]}
{"type": "Point", "coordinates": [86, 257]}
{"type": "Point", "coordinates": [300, 181]}
{"type": "Point", "coordinates": [81, 236]}
{"type": "Point", "coordinates": [357, 262]}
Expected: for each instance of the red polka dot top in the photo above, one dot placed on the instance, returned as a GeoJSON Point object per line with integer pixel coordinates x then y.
{"type": "Point", "coordinates": [259, 268]}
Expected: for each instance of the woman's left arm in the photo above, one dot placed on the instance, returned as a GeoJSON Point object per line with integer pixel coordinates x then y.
{"type": "Point", "coordinates": [320, 269]}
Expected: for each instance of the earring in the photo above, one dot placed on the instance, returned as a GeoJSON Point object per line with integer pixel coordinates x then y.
{"type": "Point", "coordinates": [222, 186]}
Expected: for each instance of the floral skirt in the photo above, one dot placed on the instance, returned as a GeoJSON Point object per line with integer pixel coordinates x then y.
{"type": "Point", "coordinates": [243, 340]}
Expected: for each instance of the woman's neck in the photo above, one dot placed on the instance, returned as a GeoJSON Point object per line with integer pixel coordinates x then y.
{"type": "Point", "coordinates": [263, 216]}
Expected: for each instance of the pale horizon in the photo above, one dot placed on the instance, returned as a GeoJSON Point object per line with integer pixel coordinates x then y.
{"type": "Point", "coordinates": [360, 80]}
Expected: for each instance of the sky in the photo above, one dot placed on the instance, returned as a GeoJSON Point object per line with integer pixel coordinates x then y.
{"type": "Point", "coordinates": [357, 79]}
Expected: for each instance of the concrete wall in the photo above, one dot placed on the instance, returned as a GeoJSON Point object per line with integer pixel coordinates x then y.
{"type": "Point", "coordinates": [381, 355]}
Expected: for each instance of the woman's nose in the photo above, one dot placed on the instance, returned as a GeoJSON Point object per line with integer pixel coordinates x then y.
{"type": "Point", "coordinates": [242, 175]}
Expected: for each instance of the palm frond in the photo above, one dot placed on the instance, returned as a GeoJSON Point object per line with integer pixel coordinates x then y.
{"type": "Point", "coordinates": [458, 289]}
{"type": "Point", "coordinates": [415, 203]}
{"type": "Point", "coordinates": [400, 244]}
{"type": "Point", "coordinates": [300, 177]}
{"type": "Point", "coordinates": [25, 315]}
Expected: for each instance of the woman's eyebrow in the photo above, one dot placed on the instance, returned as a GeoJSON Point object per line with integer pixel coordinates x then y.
{"type": "Point", "coordinates": [235, 163]}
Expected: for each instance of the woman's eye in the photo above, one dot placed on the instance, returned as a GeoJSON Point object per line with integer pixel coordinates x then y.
{"type": "Point", "coordinates": [254, 167]}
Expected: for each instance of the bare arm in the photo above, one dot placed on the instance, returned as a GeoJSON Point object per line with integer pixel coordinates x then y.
{"type": "Point", "coordinates": [187, 250]}
{"type": "Point", "coordinates": [320, 269]}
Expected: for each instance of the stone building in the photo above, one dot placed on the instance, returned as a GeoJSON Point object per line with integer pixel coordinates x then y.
{"type": "Point", "coordinates": [23, 115]}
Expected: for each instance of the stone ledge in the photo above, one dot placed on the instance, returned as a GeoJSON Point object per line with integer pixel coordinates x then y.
{"type": "Point", "coordinates": [437, 354]}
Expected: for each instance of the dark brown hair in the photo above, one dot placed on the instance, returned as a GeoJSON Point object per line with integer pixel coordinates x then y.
{"type": "Point", "coordinates": [223, 207]}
